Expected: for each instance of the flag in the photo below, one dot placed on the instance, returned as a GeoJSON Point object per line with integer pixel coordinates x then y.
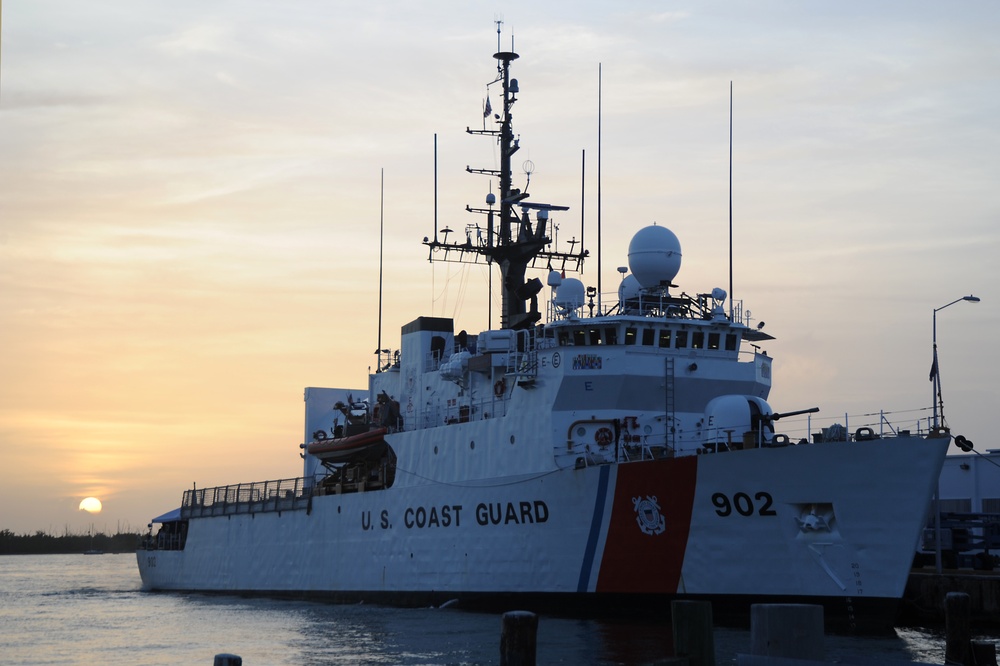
{"type": "Point", "coordinates": [488, 109]}
{"type": "Point", "coordinates": [934, 370]}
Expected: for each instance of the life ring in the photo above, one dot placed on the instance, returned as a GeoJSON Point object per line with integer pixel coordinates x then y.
{"type": "Point", "coordinates": [499, 388]}
{"type": "Point", "coordinates": [603, 437]}
{"type": "Point", "coordinates": [319, 435]}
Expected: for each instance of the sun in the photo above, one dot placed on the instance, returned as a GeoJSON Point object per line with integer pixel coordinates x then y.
{"type": "Point", "coordinates": [91, 505]}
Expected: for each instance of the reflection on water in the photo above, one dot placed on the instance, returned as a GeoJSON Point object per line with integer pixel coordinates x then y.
{"type": "Point", "coordinates": [66, 609]}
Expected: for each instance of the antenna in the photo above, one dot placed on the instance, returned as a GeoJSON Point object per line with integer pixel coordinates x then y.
{"type": "Point", "coordinates": [583, 188]}
{"type": "Point", "coordinates": [599, 99]}
{"type": "Point", "coordinates": [435, 186]}
{"type": "Point", "coordinates": [381, 232]}
{"type": "Point", "coordinates": [730, 201]}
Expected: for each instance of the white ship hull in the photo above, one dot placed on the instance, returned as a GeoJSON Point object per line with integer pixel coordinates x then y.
{"type": "Point", "coordinates": [578, 532]}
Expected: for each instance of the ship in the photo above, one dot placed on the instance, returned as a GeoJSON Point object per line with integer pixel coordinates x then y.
{"type": "Point", "coordinates": [583, 458]}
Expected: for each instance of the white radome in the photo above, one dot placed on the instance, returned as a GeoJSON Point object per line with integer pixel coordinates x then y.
{"type": "Point", "coordinates": [654, 256]}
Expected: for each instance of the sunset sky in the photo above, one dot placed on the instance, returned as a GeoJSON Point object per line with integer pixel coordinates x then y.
{"type": "Point", "coordinates": [189, 208]}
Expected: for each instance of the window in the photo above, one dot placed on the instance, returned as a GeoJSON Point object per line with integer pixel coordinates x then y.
{"type": "Point", "coordinates": [595, 336]}
{"type": "Point", "coordinates": [648, 335]}
{"type": "Point", "coordinates": [665, 338]}
{"type": "Point", "coordinates": [682, 339]}
{"type": "Point", "coordinates": [579, 338]}
{"type": "Point", "coordinates": [713, 340]}
{"type": "Point", "coordinates": [698, 340]}
{"type": "Point", "coordinates": [611, 336]}
{"type": "Point", "coordinates": [630, 336]}
{"type": "Point", "coordinates": [731, 342]}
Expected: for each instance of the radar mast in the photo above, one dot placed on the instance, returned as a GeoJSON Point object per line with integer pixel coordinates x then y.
{"type": "Point", "coordinates": [509, 239]}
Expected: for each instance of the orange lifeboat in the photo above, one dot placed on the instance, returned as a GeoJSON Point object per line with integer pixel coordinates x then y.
{"type": "Point", "coordinates": [368, 445]}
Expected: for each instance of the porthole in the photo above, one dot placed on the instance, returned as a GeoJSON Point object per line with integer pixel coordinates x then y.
{"type": "Point", "coordinates": [512, 439]}
{"type": "Point", "coordinates": [472, 444]}
{"type": "Point", "coordinates": [435, 450]}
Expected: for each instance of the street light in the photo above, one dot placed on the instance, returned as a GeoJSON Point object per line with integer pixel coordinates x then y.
{"type": "Point", "coordinates": [936, 378]}
{"type": "Point", "coordinates": [935, 371]}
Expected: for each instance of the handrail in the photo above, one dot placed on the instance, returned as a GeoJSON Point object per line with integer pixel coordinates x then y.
{"type": "Point", "coordinates": [256, 497]}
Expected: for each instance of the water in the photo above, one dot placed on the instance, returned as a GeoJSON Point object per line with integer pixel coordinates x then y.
{"type": "Point", "coordinates": [89, 609]}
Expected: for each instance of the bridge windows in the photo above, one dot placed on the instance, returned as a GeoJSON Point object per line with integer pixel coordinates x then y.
{"type": "Point", "coordinates": [649, 337]}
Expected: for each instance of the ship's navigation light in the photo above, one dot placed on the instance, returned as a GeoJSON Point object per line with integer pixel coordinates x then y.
{"type": "Point", "coordinates": [513, 86]}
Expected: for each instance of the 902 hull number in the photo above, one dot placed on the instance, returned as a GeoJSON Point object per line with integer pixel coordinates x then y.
{"type": "Point", "coordinates": [743, 504]}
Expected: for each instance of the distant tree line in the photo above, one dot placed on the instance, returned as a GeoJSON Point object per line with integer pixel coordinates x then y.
{"type": "Point", "coordinates": [41, 543]}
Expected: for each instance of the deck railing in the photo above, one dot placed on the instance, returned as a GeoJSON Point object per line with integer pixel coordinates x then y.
{"type": "Point", "coordinates": [257, 497]}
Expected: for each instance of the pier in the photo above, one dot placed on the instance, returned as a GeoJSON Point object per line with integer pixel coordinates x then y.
{"type": "Point", "coordinates": [923, 603]}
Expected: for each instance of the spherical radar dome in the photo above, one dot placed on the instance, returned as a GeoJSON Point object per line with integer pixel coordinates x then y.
{"type": "Point", "coordinates": [629, 289]}
{"type": "Point", "coordinates": [654, 256]}
{"type": "Point", "coordinates": [570, 294]}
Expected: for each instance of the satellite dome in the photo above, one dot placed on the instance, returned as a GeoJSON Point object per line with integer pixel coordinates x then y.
{"type": "Point", "coordinates": [654, 255]}
{"type": "Point", "coordinates": [629, 289]}
{"type": "Point", "coordinates": [569, 295]}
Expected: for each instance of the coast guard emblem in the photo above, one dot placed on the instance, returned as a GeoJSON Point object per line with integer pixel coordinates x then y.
{"type": "Point", "coordinates": [647, 514]}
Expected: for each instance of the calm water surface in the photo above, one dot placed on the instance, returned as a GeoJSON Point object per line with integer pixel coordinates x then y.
{"type": "Point", "coordinates": [88, 609]}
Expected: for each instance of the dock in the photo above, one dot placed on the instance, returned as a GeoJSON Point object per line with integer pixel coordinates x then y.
{"type": "Point", "coordinates": [923, 601]}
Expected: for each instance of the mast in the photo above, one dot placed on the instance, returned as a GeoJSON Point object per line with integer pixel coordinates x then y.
{"type": "Point", "coordinates": [509, 239]}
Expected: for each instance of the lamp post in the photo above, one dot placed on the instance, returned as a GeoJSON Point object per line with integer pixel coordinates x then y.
{"type": "Point", "coordinates": [936, 379]}
{"type": "Point", "coordinates": [935, 370]}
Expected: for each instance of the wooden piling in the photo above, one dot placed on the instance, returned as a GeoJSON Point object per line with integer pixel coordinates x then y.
{"type": "Point", "coordinates": [518, 638]}
{"type": "Point", "coordinates": [958, 634]}
{"type": "Point", "coordinates": [793, 631]}
{"type": "Point", "coordinates": [984, 653]}
{"type": "Point", "coordinates": [693, 634]}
